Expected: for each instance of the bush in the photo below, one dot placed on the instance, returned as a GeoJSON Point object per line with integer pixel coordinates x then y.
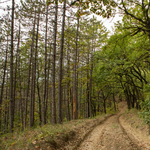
{"type": "Point", "coordinates": [145, 113]}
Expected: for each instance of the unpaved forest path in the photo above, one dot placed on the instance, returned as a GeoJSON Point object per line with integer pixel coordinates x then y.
{"type": "Point", "coordinates": [110, 135]}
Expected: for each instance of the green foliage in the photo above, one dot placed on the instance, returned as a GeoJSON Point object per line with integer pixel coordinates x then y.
{"type": "Point", "coordinates": [145, 113]}
{"type": "Point", "coordinates": [145, 105]}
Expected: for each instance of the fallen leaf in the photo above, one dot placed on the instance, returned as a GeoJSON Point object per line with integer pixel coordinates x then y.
{"type": "Point", "coordinates": [34, 142]}
{"type": "Point", "coordinates": [37, 146]}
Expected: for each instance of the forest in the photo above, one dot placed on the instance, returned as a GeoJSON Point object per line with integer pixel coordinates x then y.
{"type": "Point", "coordinates": [58, 62]}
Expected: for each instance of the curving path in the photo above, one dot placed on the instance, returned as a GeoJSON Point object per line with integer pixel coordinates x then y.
{"type": "Point", "coordinates": [109, 136]}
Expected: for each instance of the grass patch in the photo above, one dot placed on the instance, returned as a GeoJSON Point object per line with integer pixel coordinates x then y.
{"type": "Point", "coordinates": [114, 126]}
{"type": "Point", "coordinates": [111, 110]}
{"type": "Point", "coordinates": [131, 111]}
{"type": "Point", "coordinates": [134, 118]}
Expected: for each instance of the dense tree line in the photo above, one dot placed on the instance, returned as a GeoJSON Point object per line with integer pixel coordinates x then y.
{"type": "Point", "coordinates": [47, 67]}
{"type": "Point", "coordinates": [123, 63]}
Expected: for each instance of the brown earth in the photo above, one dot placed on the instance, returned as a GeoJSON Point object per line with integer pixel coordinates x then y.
{"type": "Point", "coordinates": [136, 128]}
{"type": "Point", "coordinates": [122, 131]}
{"type": "Point", "coordinates": [78, 134]}
{"type": "Point", "coordinates": [117, 134]}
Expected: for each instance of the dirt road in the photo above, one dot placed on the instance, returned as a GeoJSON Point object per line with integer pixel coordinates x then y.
{"type": "Point", "coordinates": [110, 135]}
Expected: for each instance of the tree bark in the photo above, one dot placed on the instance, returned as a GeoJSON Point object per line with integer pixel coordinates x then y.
{"type": "Point", "coordinates": [31, 117]}
{"type": "Point", "coordinates": [49, 61]}
{"type": "Point", "coordinates": [11, 71]}
{"type": "Point", "coordinates": [68, 84]}
{"type": "Point", "coordinates": [60, 91]}
{"type": "Point", "coordinates": [20, 94]}
{"type": "Point", "coordinates": [38, 90]}
{"type": "Point", "coordinates": [90, 92]}
{"type": "Point", "coordinates": [81, 92]}
{"type": "Point", "coordinates": [3, 82]}
{"type": "Point", "coordinates": [6, 108]}
{"type": "Point", "coordinates": [114, 101]}
{"type": "Point", "coordinates": [88, 87]}
{"type": "Point", "coordinates": [104, 102]}
{"type": "Point", "coordinates": [34, 66]}
{"type": "Point", "coordinates": [45, 87]}
{"type": "Point", "coordinates": [74, 75]}
{"type": "Point", "coordinates": [16, 67]}
{"type": "Point", "coordinates": [53, 66]}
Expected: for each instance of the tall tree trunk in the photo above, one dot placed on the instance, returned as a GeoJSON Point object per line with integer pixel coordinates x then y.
{"type": "Point", "coordinates": [27, 93]}
{"type": "Point", "coordinates": [49, 61]}
{"type": "Point", "coordinates": [38, 90]}
{"type": "Point", "coordinates": [20, 94]}
{"type": "Point", "coordinates": [81, 92]}
{"type": "Point", "coordinates": [87, 94]}
{"type": "Point", "coordinates": [77, 102]}
{"type": "Point", "coordinates": [31, 117]}
{"type": "Point", "coordinates": [16, 67]}
{"type": "Point", "coordinates": [114, 101]}
{"type": "Point", "coordinates": [45, 87]}
{"type": "Point", "coordinates": [137, 97]}
{"type": "Point", "coordinates": [88, 87]}
{"type": "Point", "coordinates": [53, 66]}
{"type": "Point", "coordinates": [6, 108]}
{"type": "Point", "coordinates": [34, 66]}
{"type": "Point", "coordinates": [71, 101]}
{"type": "Point", "coordinates": [60, 91]}
{"type": "Point", "coordinates": [104, 102]}
{"type": "Point", "coordinates": [74, 75]}
{"type": "Point", "coordinates": [3, 82]}
{"type": "Point", "coordinates": [68, 83]}
{"type": "Point", "coordinates": [90, 92]}
{"type": "Point", "coordinates": [11, 71]}
{"type": "Point", "coordinates": [65, 103]}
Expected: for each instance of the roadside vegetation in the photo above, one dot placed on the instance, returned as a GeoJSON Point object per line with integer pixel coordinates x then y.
{"type": "Point", "coordinates": [50, 136]}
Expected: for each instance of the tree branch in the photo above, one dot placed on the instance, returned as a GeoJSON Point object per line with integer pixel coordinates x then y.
{"type": "Point", "coordinates": [127, 12]}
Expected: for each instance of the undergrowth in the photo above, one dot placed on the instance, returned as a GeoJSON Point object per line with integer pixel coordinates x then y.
{"type": "Point", "coordinates": [111, 110]}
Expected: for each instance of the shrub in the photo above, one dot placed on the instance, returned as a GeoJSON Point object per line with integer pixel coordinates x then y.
{"type": "Point", "coordinates": [145, 113]}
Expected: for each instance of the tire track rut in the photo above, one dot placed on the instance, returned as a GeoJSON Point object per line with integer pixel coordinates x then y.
{"type": "Point", "coordinates": [133, 143]}
{"type": "Point", "coordinates": [110, 135]}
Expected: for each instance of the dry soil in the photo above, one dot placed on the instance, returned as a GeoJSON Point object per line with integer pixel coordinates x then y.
{"type": "Point", "coordinates": [114, 134]}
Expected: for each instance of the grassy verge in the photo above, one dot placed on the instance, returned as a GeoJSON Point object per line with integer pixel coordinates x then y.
{"type": "Point", "coordinates": [44, 133]}
{"type": "Point", "coordinates": [133, 118]}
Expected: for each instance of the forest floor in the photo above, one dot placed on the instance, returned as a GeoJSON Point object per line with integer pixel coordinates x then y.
{"type": "Point", "coordinates": [121, 131]}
